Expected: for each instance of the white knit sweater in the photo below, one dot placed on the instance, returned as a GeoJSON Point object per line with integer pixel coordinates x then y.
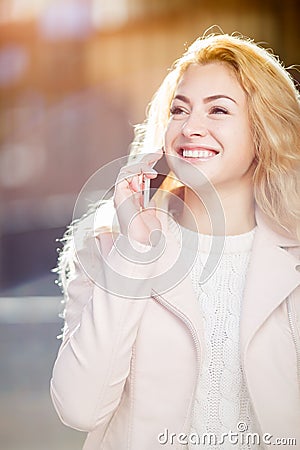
{"type": "Point", "coordinates": [222, 400]}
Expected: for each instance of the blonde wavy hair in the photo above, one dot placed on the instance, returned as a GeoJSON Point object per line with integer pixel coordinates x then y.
{"type": "Point", "coordinates": [274, 110]}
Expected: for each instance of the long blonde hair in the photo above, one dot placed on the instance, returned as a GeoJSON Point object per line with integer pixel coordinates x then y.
{"type": "Point", "coordinates": [274, 110]}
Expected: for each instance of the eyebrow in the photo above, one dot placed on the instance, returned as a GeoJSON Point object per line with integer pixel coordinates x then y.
{"type": "Point", "coordinates": [205, 100]}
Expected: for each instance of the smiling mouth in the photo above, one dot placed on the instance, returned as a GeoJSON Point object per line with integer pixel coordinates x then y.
{"type": "Point", "coordinates": [202, 154]}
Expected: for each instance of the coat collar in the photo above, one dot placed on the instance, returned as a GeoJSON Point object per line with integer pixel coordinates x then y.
{"type": "Point", "coordinates": [273, 273]}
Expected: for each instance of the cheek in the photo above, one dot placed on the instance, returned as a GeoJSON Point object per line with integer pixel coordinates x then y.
{"type": "Point", "coordinates": [248, 148]}
{"type": "Point", "coordinates": [172, 131]}
{"type": "Point", "coordinates": [242, 142]}
{"type": "Point", "coordinates": [245, 162]}
{"type": "Point", "coordinates": [167, 137]}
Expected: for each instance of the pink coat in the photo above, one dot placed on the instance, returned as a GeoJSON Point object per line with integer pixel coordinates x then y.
{"type": "Point", "coordinates": [127, 369]}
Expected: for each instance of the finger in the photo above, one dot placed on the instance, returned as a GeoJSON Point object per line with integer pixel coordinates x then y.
{"type": "Point", "coordinates": [142, 162]}
{"type": "Point", "coordinates": [136, 170]}
{"type": "Point", "coordinates": [135, 181]}
{"type": "Point", "coordinates": [132, 183]}
{"type": "Point", "coordinates": [149, 158]}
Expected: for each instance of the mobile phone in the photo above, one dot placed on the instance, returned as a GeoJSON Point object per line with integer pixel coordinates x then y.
{"type": "Point", "coordinates": [150, 186]}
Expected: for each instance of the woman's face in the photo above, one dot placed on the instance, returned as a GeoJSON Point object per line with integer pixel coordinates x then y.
{"type": "Point", "coordinates": [209, 129]}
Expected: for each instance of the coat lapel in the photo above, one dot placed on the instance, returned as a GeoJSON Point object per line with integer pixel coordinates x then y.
{"type": "Point", "coordinates": [178, 291]}
{"type": "Point", "coordinates": [272, 275]}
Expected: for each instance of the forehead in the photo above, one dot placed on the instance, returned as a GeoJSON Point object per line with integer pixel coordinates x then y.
{"type": "Point", "coordinates": [215, 78]}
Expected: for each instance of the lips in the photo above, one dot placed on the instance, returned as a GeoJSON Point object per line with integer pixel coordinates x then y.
{"type": "Point", "coordinates": [198, 153]}
{"type": "Point", "coordinates": [202, 153]}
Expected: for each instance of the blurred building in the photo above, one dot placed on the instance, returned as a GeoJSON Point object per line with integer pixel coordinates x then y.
{"type": "Point", "coordinates": [75, 75]}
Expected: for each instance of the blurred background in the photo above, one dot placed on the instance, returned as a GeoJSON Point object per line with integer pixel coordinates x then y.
{"type": "Point", "coordinates": [75, 76]}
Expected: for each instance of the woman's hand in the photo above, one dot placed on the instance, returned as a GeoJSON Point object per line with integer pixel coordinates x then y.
{"type": "Point", "coordinates": [135, 221]}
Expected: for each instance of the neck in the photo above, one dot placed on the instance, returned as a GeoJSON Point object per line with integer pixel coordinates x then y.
{"type": "Point", "coordinates": [207, 216]}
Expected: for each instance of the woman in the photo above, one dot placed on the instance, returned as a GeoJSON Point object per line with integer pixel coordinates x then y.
{"type": "Point", "coordinates": [182, 327]}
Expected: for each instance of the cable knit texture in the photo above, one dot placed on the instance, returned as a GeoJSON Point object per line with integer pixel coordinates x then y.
{"type": "Point", "coordinates": [222, 399]}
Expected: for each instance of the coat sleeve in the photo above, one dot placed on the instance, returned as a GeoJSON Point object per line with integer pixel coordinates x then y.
{"type": "Point", "coordinates": [101, 325]}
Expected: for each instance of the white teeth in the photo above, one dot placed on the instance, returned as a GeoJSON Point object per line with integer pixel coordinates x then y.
{"type": "Point", "coordinates": [198, 153]}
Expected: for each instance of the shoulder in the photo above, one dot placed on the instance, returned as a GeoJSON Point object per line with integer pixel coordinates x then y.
{"type": "Point", "coordinates": [274, 234]}
{"type": "Point", "coordinates": [83, 238]}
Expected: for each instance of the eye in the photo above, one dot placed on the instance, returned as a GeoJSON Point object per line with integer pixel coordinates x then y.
{"type": "Point", "coordinates": [218, 110]}
{"type": "Point", "coordinates": [177, 110]}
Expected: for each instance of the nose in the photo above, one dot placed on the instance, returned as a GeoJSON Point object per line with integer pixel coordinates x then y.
{"type": "Point", "coordinates": [194, 126]}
